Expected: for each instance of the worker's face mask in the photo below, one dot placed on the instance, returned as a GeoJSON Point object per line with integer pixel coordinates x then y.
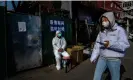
{"type": "Point", "coordinates": [105, 24]}
{"type": "Point", "coordinates": [59, 35]}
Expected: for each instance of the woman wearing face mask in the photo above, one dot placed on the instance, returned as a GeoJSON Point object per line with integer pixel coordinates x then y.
{"type": "Point", "coordinates": [110, 46]}
{"type": "Point", "coordinates": [59, 45]}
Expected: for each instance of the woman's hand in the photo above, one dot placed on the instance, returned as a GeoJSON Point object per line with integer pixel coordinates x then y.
{"type": "Point", "coordinates": [106, 44]}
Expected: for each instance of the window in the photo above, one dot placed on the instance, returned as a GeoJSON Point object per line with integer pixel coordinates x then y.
{"type": "Point", "coordinates": [131, 12]}
{"type": "Point", "coordinates": [118, 8]}
{"type": "Point", "coordinates": [129, 3]}
{"type": "Point", "coordinates": [117, 14]}
{"type": "Point", "coordinates": [123, 14]}
{"type": "Point", "coordinates": [111, 5]}
{"type": "Point", "coordinates": [123, 4]}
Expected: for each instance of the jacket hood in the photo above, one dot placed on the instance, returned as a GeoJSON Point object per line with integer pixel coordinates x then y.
{"type": "Point", "coordinates": [110, 16]}
{"type": "Point", "coordinates": [57, 33]}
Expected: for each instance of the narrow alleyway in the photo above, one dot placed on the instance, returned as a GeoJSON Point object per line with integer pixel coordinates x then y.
{"type": "Point", "coordinates": [84, 71]}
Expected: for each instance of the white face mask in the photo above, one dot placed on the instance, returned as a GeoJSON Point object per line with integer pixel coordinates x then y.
{"type": "Point", "coordinates": [105, 24]}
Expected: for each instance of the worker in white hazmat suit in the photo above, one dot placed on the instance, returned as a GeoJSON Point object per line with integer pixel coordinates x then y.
{"type": "Point", "coordinates": [59, 45]}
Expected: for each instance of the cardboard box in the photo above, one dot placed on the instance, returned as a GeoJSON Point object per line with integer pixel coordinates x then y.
{"type": "Point", "coordinates": [77, 56]}
{"type": "Point", "coordinates": [69, 50]}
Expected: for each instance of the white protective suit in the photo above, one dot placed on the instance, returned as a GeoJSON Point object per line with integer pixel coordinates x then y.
{"type": "Point", "coordinates": [57, 44]}
{"type": "Point", "coordinates": [117, 38]}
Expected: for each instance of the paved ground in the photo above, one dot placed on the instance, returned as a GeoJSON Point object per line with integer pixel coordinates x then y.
{"type": "Point", "coordinates": [84, 71]}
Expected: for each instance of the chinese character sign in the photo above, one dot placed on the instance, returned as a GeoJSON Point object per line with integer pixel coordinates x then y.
{"type": "Point", "coordinates": [57, 25]}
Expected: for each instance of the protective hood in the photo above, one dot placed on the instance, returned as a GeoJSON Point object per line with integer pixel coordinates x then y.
{"type": "Point", "coordinates": [57, 32]}
{"type": "Point", "coordinates": [110, 16]}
